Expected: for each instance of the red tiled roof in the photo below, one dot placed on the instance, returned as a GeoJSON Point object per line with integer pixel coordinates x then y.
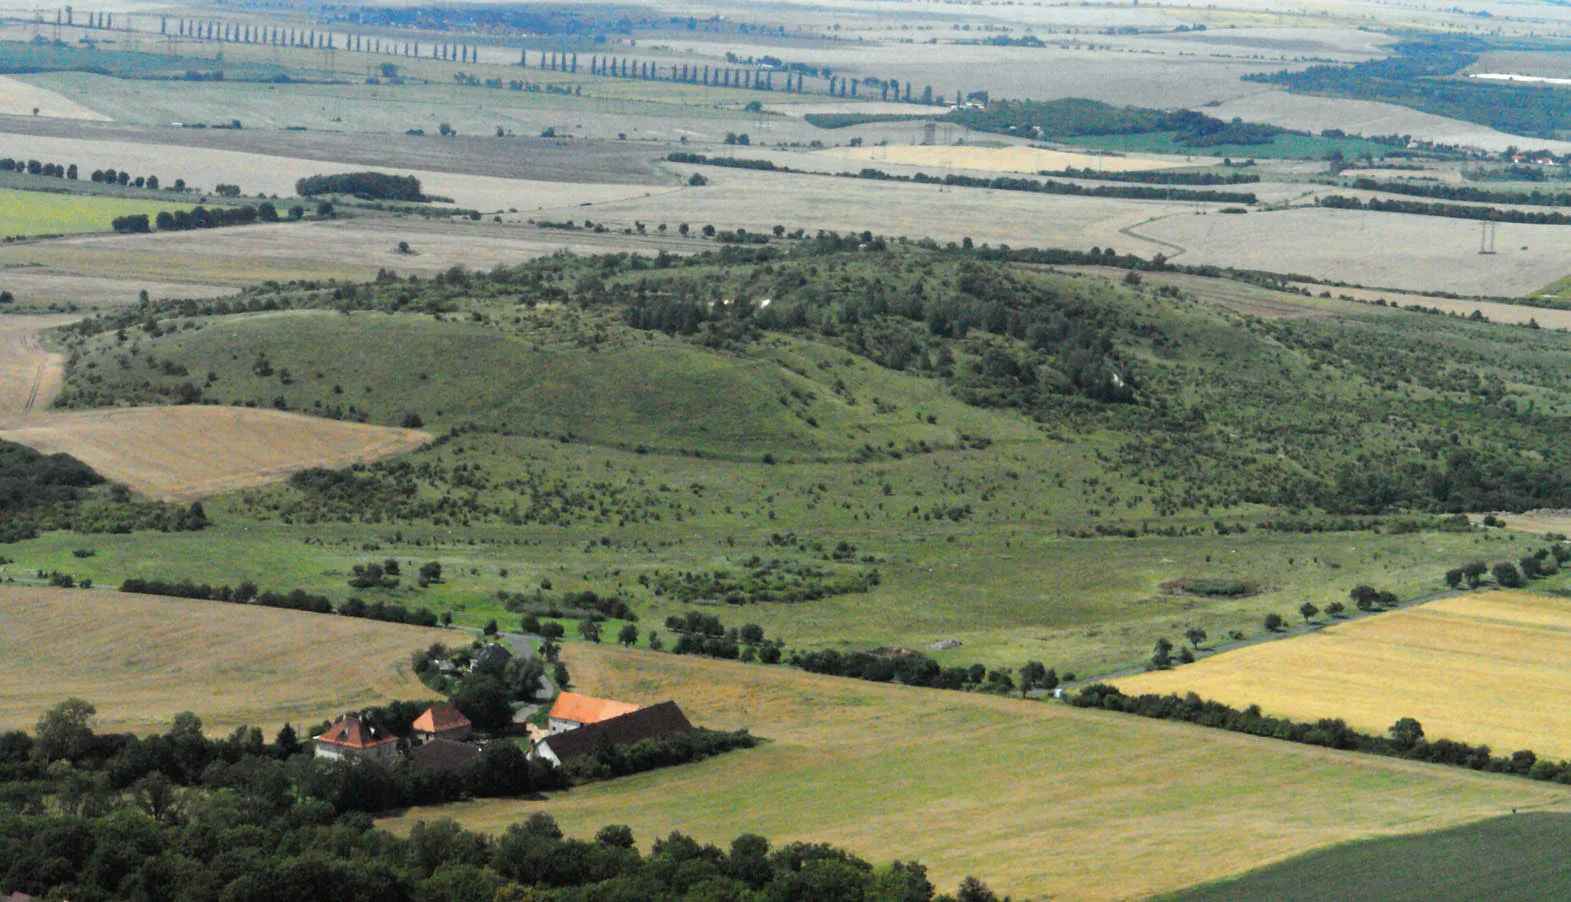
{"type": "Point", "coordinates": [441, 718]}
{"type": "Point", "coordinates": [588, 709]}
{"type": "Point", "coordinates": [352, 732]}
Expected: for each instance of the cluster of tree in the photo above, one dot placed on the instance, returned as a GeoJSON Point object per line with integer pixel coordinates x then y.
{"type": "Point", "coordinates": [1156, 176]}
{"type": "Point", "coordinates": [1404, 740]}
{"type": "Point", "coordinates": [912, 669]}
{"type": "Point", "coordinates": [703, 634]}
{"type": "Point", "coordinates": [384, 575]}
{"type": "Point", "coordinates": [1451, 211]}
{"type": "Point", "coordinates": [1508, 575]}
{"type": "Point", "coordinates": [37, 167]}
{"type": "Point", "coordinates": [481, 684]}
{"type": "Point", "coordinates": [996, 183]}
{"type": "Point", "coordinates": [846, 120]}
{"type": "Point", "coordinates": [125, 179]}
{"type": "Point", "coordinates": [775, 580]}
{"type": "Point", "coordinates": [42, 492]}
{"type": "Point", "coordinates": [1418, 76]}
{"type": "Point", "coordinates": [582, 605]}
{"type": "Point", "coordinates": [296, 600]}
{"type": "Point", "coordinates": [122, 772]}
{"type": "Point", "coordinates": [698, 159]}
{"type": "Point", "coordinates": [202, 218]}
{"type": "Point", "coordinates": [364, 185]}
{"type": "Point", "coordinates": [1073, 189]}
{"type": "Point", "coordinates": [262, 828]}
{"type": "Point", "coordinates": [1075, 117]}
{"type": "Point", "coordinates": [606, 761]}
{"type": "Point", "coordinates": [1465, 192]}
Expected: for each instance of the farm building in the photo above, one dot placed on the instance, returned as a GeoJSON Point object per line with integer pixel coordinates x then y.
{"type": "Point", "coordinates": [572, 711]}
{"type": "Point", "coordinates": [356, 737]}
{"type": "Point", "coordinates": [442, 756]}
{"type": "Point", "coordinates": [491, 656]}
{"type": "Point", "coordinates": [652, 722]}
{"type": "Point", "coordinates": [442, 721]}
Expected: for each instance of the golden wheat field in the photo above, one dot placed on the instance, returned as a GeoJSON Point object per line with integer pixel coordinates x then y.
{"type": "Point", "coordinates": [141, 660]}
{"type": "Point", "coordinates": [1039, 799]}
{"type": "Point", "coordinates": [1487, 668]}
{"type": "Point", "coordinates": [185, 453]}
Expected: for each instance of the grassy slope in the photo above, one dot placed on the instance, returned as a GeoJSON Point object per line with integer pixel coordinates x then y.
{"type": "Point", "coordinates": [1037, 799]}
{"type": "Point", "coordinates": [1516, 858]}
{"type": "Point", "coordinates": [143, 660]}
{"type": "Point", "coordinates": [1004, 579]}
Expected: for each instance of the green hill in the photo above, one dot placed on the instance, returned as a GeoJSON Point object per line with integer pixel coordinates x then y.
{"type": "Point", "coordinates": [1185, 406]}
{"type": "Point", "coordinates": [1027, 458]}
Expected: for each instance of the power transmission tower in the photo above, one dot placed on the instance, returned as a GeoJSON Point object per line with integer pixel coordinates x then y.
{"type": "Point", "coordinates": [1486, 237]}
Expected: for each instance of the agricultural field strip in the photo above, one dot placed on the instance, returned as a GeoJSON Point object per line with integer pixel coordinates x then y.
{"type": "Point", "coordinates": [1128, 807]}
{"type": "Point", "coordinates": [528, 159]}
{"type": "Point", "coordinates": [1459, 665]}
{"type": "Point", "coordinates": [190, 452]}
{"type": "Point", "coordinates": [176, 453]}
{"type": "Point", "coordinates": [258, 173]}
{"type": "Point", "coordinates": [142, 660]}
{"type": "Point", "coordinates": [18, 98]}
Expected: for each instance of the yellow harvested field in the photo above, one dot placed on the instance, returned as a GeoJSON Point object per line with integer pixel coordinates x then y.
{"type": "Point", "coordinates": [141, 660]}
{"type": "Point", "coordinates": [998, 159]}
{"type": "Point", "coordinates": [185, 453]}
{"type": "Point", "coordinates": [18, 98]}
{"type": "Point", "coordinates": [30, 377]}
{"type": "Point", "coordinates": [1487, 668]}
{"type": "Point", "coordinates": [1038, 799]}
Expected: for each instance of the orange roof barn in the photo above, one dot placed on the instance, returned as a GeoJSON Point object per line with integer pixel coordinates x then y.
{"type": "Point", "coordinates": [586, 709]}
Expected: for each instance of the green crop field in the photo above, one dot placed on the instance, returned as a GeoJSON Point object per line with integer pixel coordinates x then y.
{"type": "Point", "coordinates": [1041, 800]}
{"type": "Point", "coordinates": [1516, 858]}
{"type": "Point", "coordinates": [28, 213]}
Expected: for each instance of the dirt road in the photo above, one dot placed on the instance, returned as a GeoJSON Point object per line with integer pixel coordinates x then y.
{"type": "Point", "coordinates": [30, 376]}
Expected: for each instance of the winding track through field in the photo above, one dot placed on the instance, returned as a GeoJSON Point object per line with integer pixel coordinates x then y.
{"type": "Point", "coordinates": [1178, 249]}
